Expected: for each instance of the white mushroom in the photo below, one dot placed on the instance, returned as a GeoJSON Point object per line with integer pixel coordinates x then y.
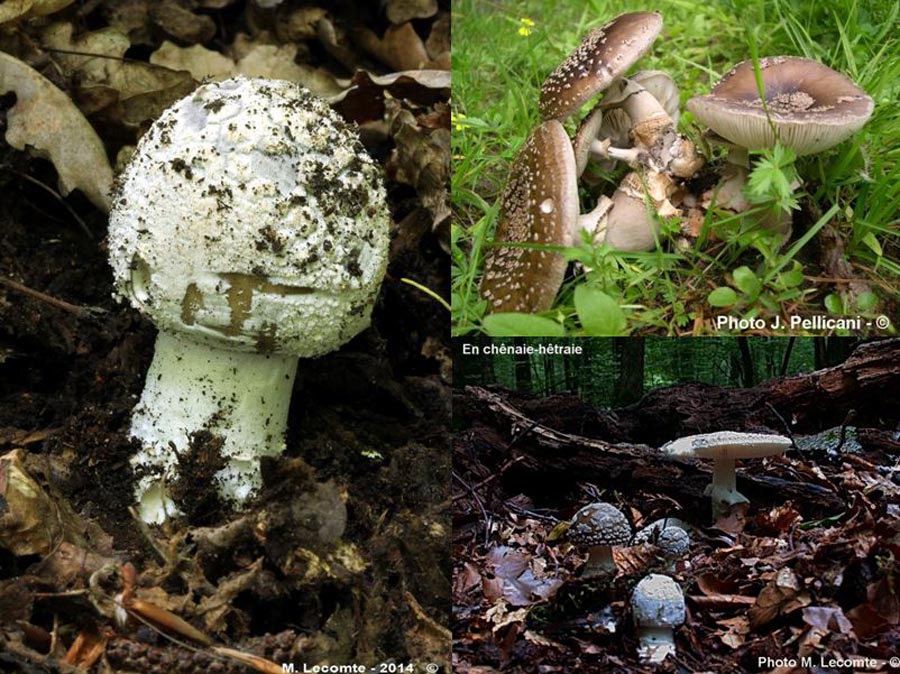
{"type": "Point", "coordinates": [657, 604]}
{"type": "Point", "coordinates": [724, 448]}
{"type": "Point", "coordinates": [598, 527]}
{"type": "Point", "coordinates": [251, 227]}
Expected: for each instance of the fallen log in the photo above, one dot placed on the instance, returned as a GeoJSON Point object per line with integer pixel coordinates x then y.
{"type": "Point", "coordinates": [549, 456]}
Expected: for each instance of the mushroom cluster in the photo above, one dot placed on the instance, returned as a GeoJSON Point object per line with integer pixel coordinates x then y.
{"type": "Point", "coordinates": [806, 106]}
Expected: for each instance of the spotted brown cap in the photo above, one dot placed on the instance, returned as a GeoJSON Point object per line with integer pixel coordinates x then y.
{"type": "Point", "coordinates": [812, 107]}
{"type": "Point", "coordinates": [602, 57]}
{"type": "Point", "coordinates": [539, 205]}
{"type": "Point", "coordinates": [599, 524]}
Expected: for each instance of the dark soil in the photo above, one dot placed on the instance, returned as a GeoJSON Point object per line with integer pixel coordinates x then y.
{"type": "Point", "coordinates": [362, 483]}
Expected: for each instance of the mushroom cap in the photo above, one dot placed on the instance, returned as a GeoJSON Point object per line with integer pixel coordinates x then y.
{"type": "Point", "coordinates": [812, 106]}
{"type": "Point", "coordinates": [599, 524]}
{"type": "Point", "coordinates": [604, 55]}
{"type": "Point", "coordinates": [655, 528]}
{"type": "Point", "coordinates": [657, 601]}
{"type": "Point", "coordinates": [728, 444]}
{"type": "Point", "coordinates": [673, 541]}
{"type": "Point", "coordinates": [653, 532]}
{"type": "Point", "coordinates": [250, 217]}
{"type": "Point", "coordinates": [657, 83]}
{"type": "Point", "coordinates": [539, 205]}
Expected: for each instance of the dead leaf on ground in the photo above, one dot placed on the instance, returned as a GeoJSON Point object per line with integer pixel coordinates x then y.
{"type": "Point", "coordinates": [421, 159]}
{"type": "Point", "coordinates": [46, 121]}
{"type": "Point", "coordinates": [780, 597]}
{"type": "Point", "coordinates": [200, 62]}
{"type": "Point", "coordinates": [401, 11]}
{"type": "Point", "coordinates": [139, 91]}
{"type": "Point", "coordinates": [20, 9]}
{"type": "Point", "coordinates": [364, 96]}
{"type": "Point", "coordinates": [400, 48]}
{"type": "Point", "coordinates": [298, 24]}
{"type": "Point", "coordinates": [181, 23]}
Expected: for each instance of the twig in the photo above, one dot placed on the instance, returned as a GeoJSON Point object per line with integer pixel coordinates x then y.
{"type": "Point", "coordinates": [58, 197]}
{"type": "Point", "coordinates": [484, 514]}
{"type": "Point", "coordinates": [81, 312]}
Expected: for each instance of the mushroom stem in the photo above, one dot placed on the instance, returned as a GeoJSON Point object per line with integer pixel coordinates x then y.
{"type": "Point", "coordinates": [603, 149]}
{"type": "Point", "coordinates": [723, 489]}
{"type": "Point", "coordinates": [594, 222]}
{"type": "Point", "coordinates": [655, 643]}
{"type": "Point", "coordinates": [241, 398]}
{"type": "Point", "coordinates": [600, 561]}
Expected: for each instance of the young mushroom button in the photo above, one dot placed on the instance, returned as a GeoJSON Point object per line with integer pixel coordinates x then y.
{"type": "Point", "coordinates": [251, 227]}
{"type": "Point", "coordinates": [724, 448]}
{"type": "Point", "coordinates": [602, 57]}
{"type": "Point", "coordinates": [598, 527]}
{"type": "Point", "coordinates": [657, 604]}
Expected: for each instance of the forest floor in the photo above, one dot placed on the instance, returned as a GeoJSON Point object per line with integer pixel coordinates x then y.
{"type": "Point", "coordinates": [808, 569]}
{"type": "Point", "coordinates": [342, 558]}
{"type": "Point", "coordinates": [843, 257]}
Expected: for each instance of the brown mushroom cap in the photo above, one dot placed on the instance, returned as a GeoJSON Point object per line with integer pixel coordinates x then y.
{"type": "Point", "coordinates": [728, 444]}
{"type": "Point", "coordinates": [599, 524]}
{"type": "Point", "coordinates": [812, 106]}
{"type": "Point", "coordinates": [539, 205]}
{"type": "Point", "coordinates": [601, 58]}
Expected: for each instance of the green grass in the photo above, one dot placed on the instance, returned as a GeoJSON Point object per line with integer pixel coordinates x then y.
{"type": "Point", "coordinates": [504, 50]}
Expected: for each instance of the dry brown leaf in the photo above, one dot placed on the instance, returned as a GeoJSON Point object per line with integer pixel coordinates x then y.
{"type": "Point", "coordinates": [277, 62]}
{"type": "Point", "coordinates": [298, 24]}
{"type": "Point", "coordinates": [780, 597]}
{"type": "Point", "coordinates": [216, 608]}
{"type": "Point", "coordinates": [200, 62]}
{"type": "Point", "coordinates": [334, 40]}
{"type": "Point", "coordinates": [364, 96]}
{"type": "Point", "coordinates": [17, 9]}
{"type": "Point", "coordinates": [421, 158]}
{"type": "Point", "coordinates": [140, 91]}
{"type": "Point", "coordinates": [181, 23]}
{"type": "Point", "coordinates": [401, 48]}
{"type": "Point", "coordinates": [737, 629]}
{"type": "Point", "coordinates": [401, 11]}
{"type": "Point", "coordinates": [13, 9]}
{"type": "Point", "coordinates": [438, 43]}
{"type": "Point", "coordinates": [29, 522]}
{"type": "Point", "coordinates": [47, 122]}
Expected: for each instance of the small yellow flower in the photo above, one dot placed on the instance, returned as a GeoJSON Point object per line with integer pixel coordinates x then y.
{"type": "Point", "coordinates": [458, 120]}
{"type": "Point", "coordinates": [525, 26]}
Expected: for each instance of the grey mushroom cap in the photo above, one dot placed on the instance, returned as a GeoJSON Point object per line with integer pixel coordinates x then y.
{"type": "Point", "coordinates": [656, 526]}
{"type": "Point", "coordinates": [673, 541]}
{"type": "Point", "coordinates": [657, 601]}
{"type": "Point", "coordinates": [599, 524]}
{"type": "Point", "coordinates": [728, 444]}
{"type": "Point", "coordinates": [540, 206]}
{"type": "Point", "coordinates": [602, 57]}
{"type": "Point", "coordinates": [812, 106]}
